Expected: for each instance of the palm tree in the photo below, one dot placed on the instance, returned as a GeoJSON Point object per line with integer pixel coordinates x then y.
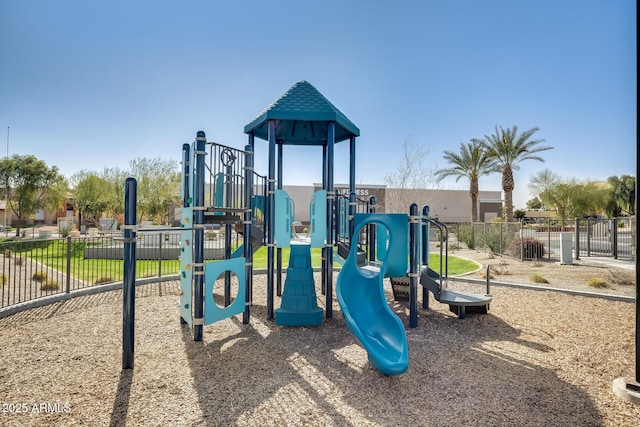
{"type": "Point", "coordinates": [510, 148]}
{"type": "Point", "coordinates": [471, 162]}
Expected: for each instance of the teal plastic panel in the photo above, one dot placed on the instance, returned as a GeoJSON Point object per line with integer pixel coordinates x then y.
{"type": "Point", "coordinates": [282, 219]}
{"type": "Point", "coordinates": [186, 265]}
{"type": "Point", "coordinates": [219, 191]}
{"type": "Point", "coordinates": [344, 217]}
{"type": "Point", "coordinates": [382, 238]}
{"type": "Point", "coordinates": [318, 211]}
{"type": "Point", "coordinates": [258, 203]}
{"type": "Point", "coordinates": [212, 270]}
{"type": "Point", "coordinates": [238, 252]}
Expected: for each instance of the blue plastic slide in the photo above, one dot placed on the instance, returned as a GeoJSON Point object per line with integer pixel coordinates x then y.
{"type": "Point", "coordinates": [363, 302]}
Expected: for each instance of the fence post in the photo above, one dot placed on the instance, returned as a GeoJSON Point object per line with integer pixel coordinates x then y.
{"type": "Point", "coordinates": [549, 238]}
{"type": "Point", "coordinates": [68, 284]}
{"type": "Point", "coordinates": [614, 237]}
{"type": "Point", "coordinates": [161, 238]}
{"type": "Point", "coordinates": [577, 233]}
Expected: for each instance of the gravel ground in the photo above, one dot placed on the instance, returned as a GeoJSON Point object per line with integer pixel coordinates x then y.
{"type": "Point", "coordinates": [614, 277]}
{"type": "Point", "coordinates": [539, 358]}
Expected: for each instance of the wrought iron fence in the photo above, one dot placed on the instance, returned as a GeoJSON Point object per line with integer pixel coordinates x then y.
{"type": "Point", "coordinates": [588, 237]}
{"type": "Point", "coordinates": [37, 268]}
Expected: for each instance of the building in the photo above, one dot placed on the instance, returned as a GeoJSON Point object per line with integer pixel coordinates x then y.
{"type": "Point", "coordinates": [450, 206]}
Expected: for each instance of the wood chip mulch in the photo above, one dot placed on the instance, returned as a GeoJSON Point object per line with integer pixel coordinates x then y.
{"type": "Point", "coordinates": [539, 358]}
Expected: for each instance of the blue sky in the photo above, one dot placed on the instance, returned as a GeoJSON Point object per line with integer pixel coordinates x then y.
{"type": "Point", "coordinates": [89, 85]}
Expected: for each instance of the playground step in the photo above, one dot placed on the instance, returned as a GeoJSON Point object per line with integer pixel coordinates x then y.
{"type": "Point", "coordinates": [343, 251]}
{"type": "Point", "coordinates": [400, 287]}
{"type": "Point", "coordinates": [299, 303]}
{"type": "Point", "coordinates": [430, 279]}
{"type": "Point", "coordinates": [220, 218]}
{"type": "Point", "coordinates": [459, 303]}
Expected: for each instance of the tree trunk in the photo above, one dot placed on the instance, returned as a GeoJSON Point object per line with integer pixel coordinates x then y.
{"type": "Point", "coordinates": [508, 186]}
{"type": "Point", "coordinates": [473, 190]}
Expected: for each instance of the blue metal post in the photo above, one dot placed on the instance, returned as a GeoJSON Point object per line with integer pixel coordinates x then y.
{"type": "Point", "coordinates": [198, 238]}
{"type": "Point", "coordinates": [426, 240]}
{"type": "Point", "coordinates": [414, 229]}
{"type": "Point", "coordinates": [372, 231]}
{"type": "Point", "coordinates": [279, 250]}
{"type": "Point", "coordinates": [248, 219]}
{"type": "Point", "coordinates": [129, 280]}
{"type": "Point", "coordinates": [229, 190]}
{"type": "Point", "coordinates": [271, 212]}
{"type": "Point", "coordinates": [323, 275]}
{"type": "Point", "coordinates": [352, 164]}
{"type": "Point", "coordinates": [186, 167]}
{"type": "Point", "coordinates": [352, 210]}
{"type": "Point", "coordinates": [328, 249]}
{"type": "Point", "coordinates": [251, 145]}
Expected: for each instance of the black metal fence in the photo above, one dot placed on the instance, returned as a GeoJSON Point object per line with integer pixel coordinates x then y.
{"type": "Point", "coordinates": [36, 268]}
{"type": "Point", "coordinates": [589, 237]}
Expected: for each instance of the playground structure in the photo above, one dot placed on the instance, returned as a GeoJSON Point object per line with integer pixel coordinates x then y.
{"type": "Point", "coordinates": [373, 245]}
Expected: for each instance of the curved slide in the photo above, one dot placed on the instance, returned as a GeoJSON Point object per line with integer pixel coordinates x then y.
{"type": "Point", "coordinates": [363, 302]}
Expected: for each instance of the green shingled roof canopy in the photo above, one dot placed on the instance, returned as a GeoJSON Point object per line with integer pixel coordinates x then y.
{"type": "Point", "coordinates": [302, 114]}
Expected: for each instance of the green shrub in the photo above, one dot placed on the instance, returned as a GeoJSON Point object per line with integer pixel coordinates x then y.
{"type": "Point", "coordinates": [466, 235]}
{"type": "Point", "coordinates": [495, 237]}
{"type": "Point", "coordinates": [537, 278]}
{"type": "Point", "coordinates": [64, 231]}
{"type": "Point", "coordinates": [527, 248]}
{"type": "Point", "coordinates": [597, 282]}
{"type": "Point", "coordinates": [39, 276]}
{"type": "Point", "coordinates": [50, 285]}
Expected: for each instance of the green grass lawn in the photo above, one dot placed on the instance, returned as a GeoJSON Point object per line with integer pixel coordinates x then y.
{"type": "Point", "coordinates": [53, 254]}
{"type": "Point", "coordinates": [456, 265]}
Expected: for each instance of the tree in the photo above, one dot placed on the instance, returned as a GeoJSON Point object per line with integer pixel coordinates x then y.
{"type": "Point", "coordinates": [409, 175]}
{"type": "Point", "coordinates": [569, 197]}
{"type": "Point", "coordinates": [622, 199]}
{"type": "Point", "coordinates": [90, 196]}
{"type": "Point", "coordinates": [509, 149]}
{"type": "Point", "coordinates": [543, 180]}
{"type": "Point", "coordinates": [158, 187]}
{"type": "Point", "coordinates": [31, 186]}
{"type": "Point", "coordinates": [115, 179]}
{"type": "Point", "coordinates": [534, 203]}
{"type": "Point", "coordinates": [472, 162]}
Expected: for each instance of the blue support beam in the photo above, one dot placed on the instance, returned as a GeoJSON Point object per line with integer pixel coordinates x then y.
{"type": "Point", "coordinates": [129, 279]}
{"type": "Point", "coordinates": [198, 239]}
{"type": "Point", "coordinates": [270, 220]}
